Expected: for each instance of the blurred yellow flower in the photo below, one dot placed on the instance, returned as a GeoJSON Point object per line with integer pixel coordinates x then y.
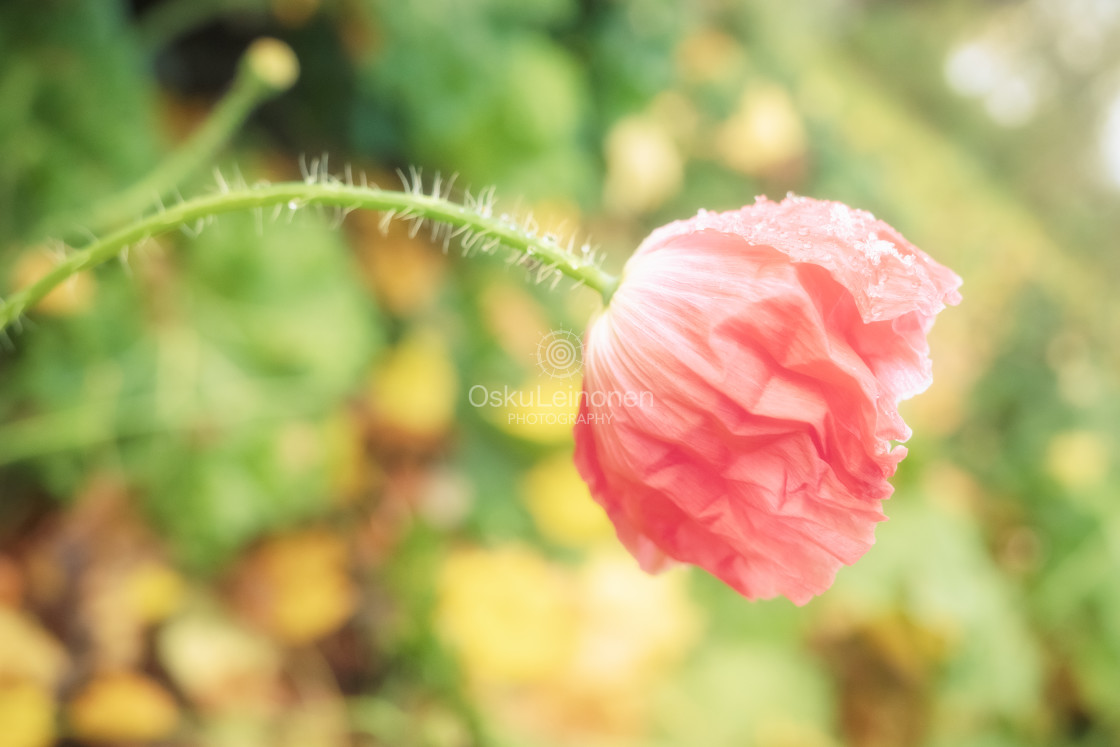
{"type": "Point", "coordinates": [124, 706]}
{"type": "Point", "coordinates": [27, 714]}
{"type": "Point", "coordinates": [509, 614]}
{"type": "Point", "coordinates": [414, 389]}
{"type": "Point", "coordinates": [562, 506]}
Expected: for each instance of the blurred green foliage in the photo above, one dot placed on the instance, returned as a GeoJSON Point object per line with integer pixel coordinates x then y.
{"type": "Point", "coordinates": [259, 438]}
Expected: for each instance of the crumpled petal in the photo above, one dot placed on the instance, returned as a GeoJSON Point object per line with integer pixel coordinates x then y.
{"type": "Point", "coordinates": [741, 390]}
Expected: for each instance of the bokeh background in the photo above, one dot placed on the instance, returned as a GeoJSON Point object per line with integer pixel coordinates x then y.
{"type": "Point", "coordinates": [245, 500]}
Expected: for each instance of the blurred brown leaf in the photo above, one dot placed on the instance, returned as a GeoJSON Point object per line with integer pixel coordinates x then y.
{"type": "Point", "coordinates": [884, 669]}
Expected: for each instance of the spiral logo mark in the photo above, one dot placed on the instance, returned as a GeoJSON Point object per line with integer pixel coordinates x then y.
{"type": "Point", "coordinates": [560, 353]}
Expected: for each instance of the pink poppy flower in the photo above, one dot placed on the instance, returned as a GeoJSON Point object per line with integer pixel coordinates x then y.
{"type": "Point", "coordinates": [741, 389]}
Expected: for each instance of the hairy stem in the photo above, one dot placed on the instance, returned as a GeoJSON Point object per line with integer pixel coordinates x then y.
{"type": "Point", "coordinates": [479, 225]}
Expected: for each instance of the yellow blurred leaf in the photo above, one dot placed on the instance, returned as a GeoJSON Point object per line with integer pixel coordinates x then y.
{"type": "Point", "coordinates": [507, 612]}
{"type": "Point", "coordinates": [415, 388]}
{"type": "Point", "coordinates": [562, 506]}
{"type": "Point", "coordinates": [297, 586]}
{"type": "Point", "coordinates": [1078, 459]}
{"type": "Point", "coordinates": [406, 273]}
{"type": "Point", "coordinates": [154, 591]}
{"type": "Point", "coordinates": [783, 731]}
{"type": "Point", "coordinates": [644, 166]}
{"type": "Point", "coordinates": [348, 470]}
{"type": "Point", "coordinates": [26, 716]}
{"type": "Point", "coordinates": [709, 54]}
{"type": "Point", "coordinates": [763, 134]}
{"type": "Point", "coordinates": [563, 655]}
{"type": "Point", "coordinates": [634, 625]}
{"type": "Point", "coordinates": [515, 318]}
{"type": "Point", "coordinates": [541, 410]}
{"type": "Point", "coordinates": [27, 652]}
{"type": "Point", "coordinates": [124, 706]}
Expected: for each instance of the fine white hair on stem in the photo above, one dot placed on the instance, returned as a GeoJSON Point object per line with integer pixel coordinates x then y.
{"type": "Point", "coordinates": [470, 217]}
{"type": "Point", "coordinates": [223, 187]}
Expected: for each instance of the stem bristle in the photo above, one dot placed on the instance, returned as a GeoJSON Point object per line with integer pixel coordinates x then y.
{"type": "Point", "coordinates": [470, 219]}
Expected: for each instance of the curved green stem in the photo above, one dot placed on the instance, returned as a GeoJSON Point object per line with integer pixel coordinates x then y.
{"type": "Point", "coordinates": [477, 225]}
{"type": "Point", "coordinates": [268, 68]}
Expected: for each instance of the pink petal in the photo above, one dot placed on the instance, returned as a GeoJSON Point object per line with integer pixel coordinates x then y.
{"type": "Point", "coordinates": [768, 349]}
